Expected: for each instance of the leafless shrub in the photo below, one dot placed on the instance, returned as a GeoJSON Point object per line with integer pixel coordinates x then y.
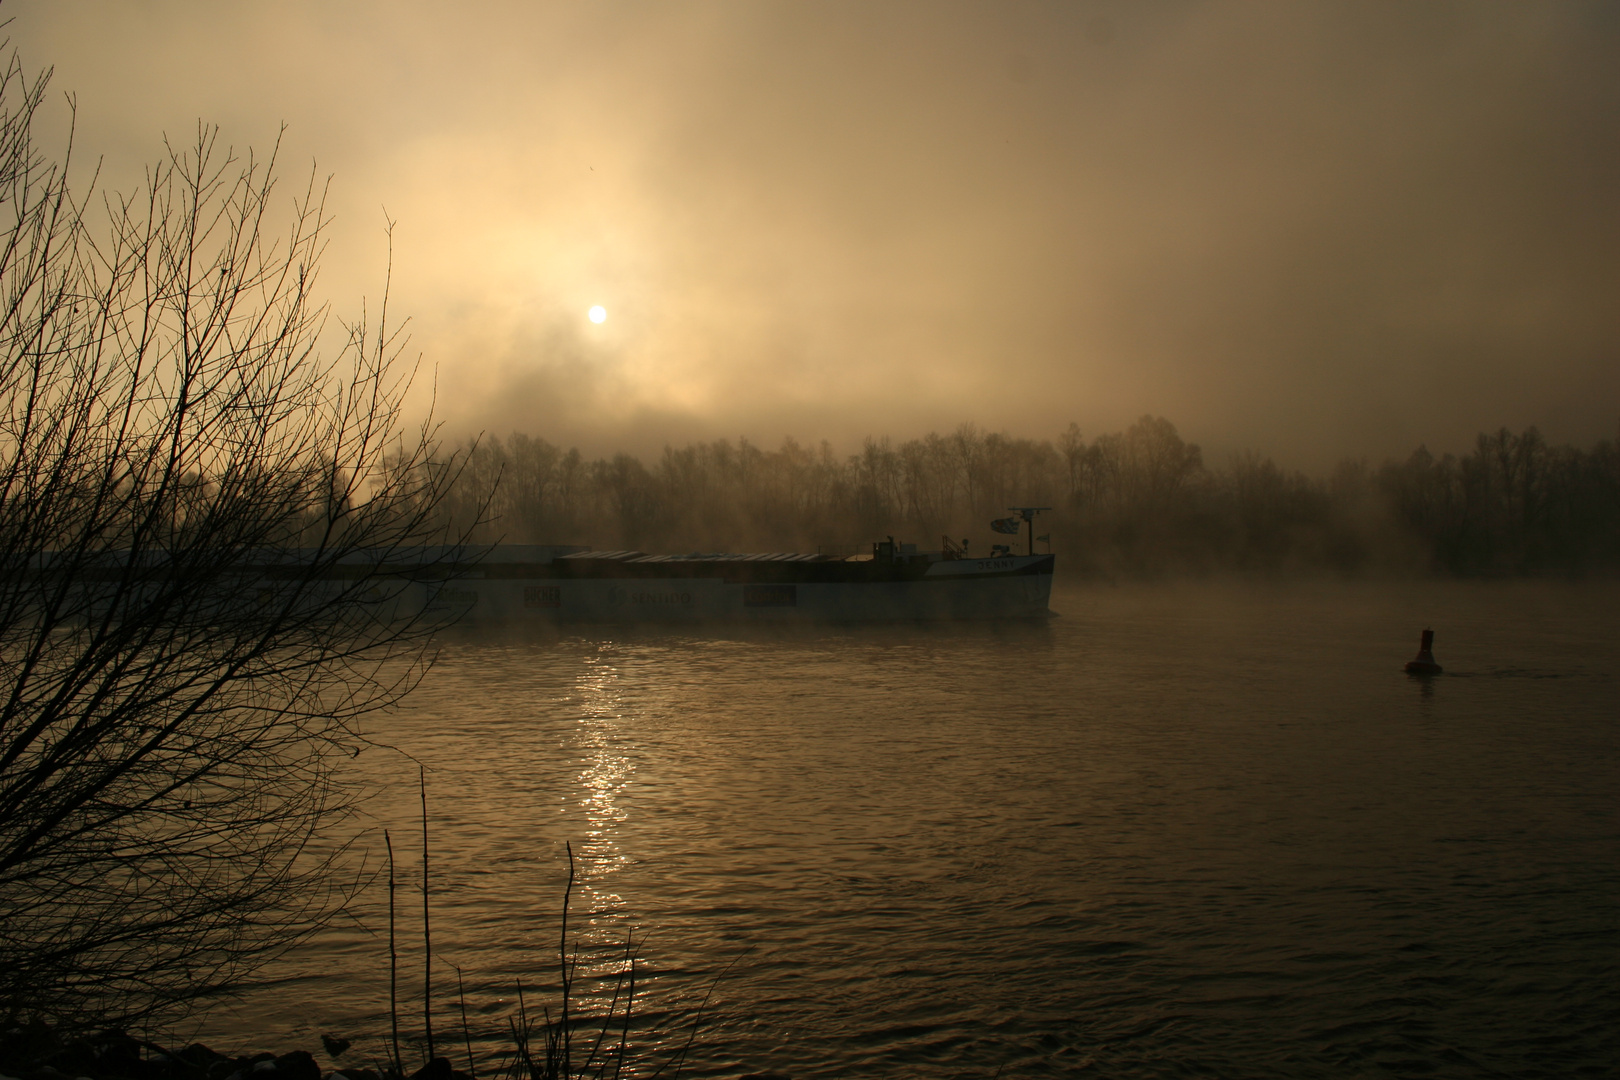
{"type": "Point", "coordinates": [195, 521]}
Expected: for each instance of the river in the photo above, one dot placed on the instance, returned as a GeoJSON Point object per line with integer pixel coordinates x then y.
{"type": "Point", "coordinates": [1181, 830]}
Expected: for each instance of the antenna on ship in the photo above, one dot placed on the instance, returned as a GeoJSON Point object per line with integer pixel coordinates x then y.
{"type": "Point", "coordinates": [1028, 514]}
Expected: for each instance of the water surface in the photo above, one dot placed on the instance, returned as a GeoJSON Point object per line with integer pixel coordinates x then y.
{"type": "Point", "coordinates": [1201, 830]}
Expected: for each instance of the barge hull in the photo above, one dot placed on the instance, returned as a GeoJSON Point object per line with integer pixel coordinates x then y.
{"type": "Point", "coordinates": [764, 589]}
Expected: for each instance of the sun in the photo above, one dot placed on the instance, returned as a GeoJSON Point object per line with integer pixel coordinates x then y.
{"type": "Point", "coordinates": [598, 313]}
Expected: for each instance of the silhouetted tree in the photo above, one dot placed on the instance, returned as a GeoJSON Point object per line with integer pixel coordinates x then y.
{"type": "Point", "coordinates": [193, 512]}
{"type": "Point", "coordinates": [1073, 448]}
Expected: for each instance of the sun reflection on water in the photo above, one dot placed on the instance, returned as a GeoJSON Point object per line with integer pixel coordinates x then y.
{"type": "Point", "coordinates": [608, 769]}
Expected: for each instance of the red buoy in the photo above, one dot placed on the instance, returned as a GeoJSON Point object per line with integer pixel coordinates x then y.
{"type": "Point", "coordinates": [1423, 663]}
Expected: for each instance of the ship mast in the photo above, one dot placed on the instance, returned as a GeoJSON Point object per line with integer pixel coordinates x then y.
{"type": "Point", "coordinates": [1028, 514]}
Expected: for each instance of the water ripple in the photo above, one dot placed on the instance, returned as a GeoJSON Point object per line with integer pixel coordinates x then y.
{"type": "Point", "coordinates": [1179, 832]}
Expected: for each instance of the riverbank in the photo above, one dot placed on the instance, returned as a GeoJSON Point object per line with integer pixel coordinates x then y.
{"type": "Point", "coordinates": [35, 1052]}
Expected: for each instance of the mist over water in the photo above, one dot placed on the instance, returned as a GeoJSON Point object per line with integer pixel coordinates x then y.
{"type": "Point", "coordinates": [1179, 829]}
{"type": "Point", "coordinates": [1143, 501]}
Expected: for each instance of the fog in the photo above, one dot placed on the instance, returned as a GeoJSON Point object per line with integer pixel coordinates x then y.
{"type": "Point", "coordinates": [1315, 231]}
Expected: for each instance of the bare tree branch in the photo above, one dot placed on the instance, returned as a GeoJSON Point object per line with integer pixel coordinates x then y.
{"type": "Point", "coordinates": [203, 521]}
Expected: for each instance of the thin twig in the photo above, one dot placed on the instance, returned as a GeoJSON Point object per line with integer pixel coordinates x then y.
{"type": "Point", "coordinates": [393, 960]}
{"type": "Point", "coordinates": [427, 924]}
{"type": "Point", "coordinates": [613, 1005]}
{"type": "Point", "coordinates": [624, 1035]}
{"type": "Point", "coordinates": [679, 1060]}
{"type": "Point", "coordinates": [562, 956]}
{"type": "Point", "coordinates": [466, 1036]}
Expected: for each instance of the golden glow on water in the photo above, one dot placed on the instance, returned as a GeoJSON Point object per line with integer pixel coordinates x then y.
{"type": "Point", "coordinates": [1210, 830]}
{"type": "Point", "coordinates": [608, 768]}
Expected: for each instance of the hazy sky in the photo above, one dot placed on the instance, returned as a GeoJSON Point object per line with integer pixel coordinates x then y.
{"type": "Point", "coordinates": [1309, 229]}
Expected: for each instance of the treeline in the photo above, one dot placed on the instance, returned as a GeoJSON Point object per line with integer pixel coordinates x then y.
{"type": "Point", "coordinates": [1139, 501]}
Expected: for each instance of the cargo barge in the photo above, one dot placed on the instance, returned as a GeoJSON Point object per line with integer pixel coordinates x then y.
{"type": "Point", "coordinates": [511, 583]}
{"type": "Point", "coordinates": [521, 583]}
